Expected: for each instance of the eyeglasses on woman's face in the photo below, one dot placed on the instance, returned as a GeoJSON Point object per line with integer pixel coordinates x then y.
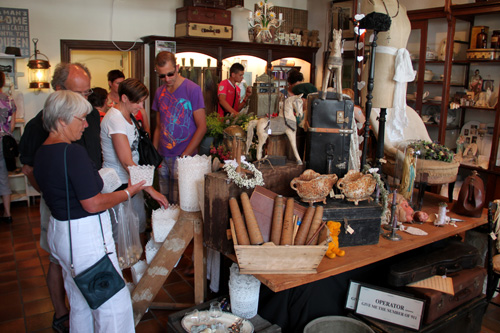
{"type": "Point", "coordinates": [82, 119]}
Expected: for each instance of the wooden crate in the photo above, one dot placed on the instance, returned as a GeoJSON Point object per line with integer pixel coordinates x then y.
{"type": "Point", "coordinates": [218, 190]}
{"type": "Point", "coordinates": [283, 259]}
{"type": "Point", "coordinates": [270, 258]}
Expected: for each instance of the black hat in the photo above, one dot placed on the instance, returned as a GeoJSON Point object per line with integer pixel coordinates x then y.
{"type": "Point", "coordinates": [13, 50]}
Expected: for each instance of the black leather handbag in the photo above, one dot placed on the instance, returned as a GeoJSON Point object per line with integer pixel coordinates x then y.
{"type": "Point", "coordinates": [10, 152]}
{"type": "Point", "coordinates": [101, 281]}
{"type": "Point", "coordinates": [148, 155]}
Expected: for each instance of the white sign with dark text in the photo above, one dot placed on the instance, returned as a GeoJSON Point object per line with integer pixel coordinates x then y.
{"type": "Point", "coordinates": [386, 306]}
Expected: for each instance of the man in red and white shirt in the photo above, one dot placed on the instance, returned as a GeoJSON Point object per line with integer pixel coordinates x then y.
{"type": "Point", "coordinates": [229, 92]}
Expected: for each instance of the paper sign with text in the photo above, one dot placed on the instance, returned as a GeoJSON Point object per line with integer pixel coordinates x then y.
{"type": "Point", "coordinates": [393, 308]}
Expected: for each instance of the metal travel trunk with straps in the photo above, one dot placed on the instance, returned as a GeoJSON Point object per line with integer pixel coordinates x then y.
{"type": "Point", "coordinates": [328, 133]}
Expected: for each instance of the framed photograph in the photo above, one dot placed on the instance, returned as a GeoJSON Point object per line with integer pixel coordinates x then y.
{"type": "Point", "coordinates": [473, 129]}
{"type": "Point", "coordinates": [342, 15]}
{"type": "Point", "coordinates": [488, 84]}
{"type": "Point", "coordinates": [474, 139]}
{"type": "Point", "coordinates": [466, 132]}
{"type": "Point", "coordinates": [162, 45]}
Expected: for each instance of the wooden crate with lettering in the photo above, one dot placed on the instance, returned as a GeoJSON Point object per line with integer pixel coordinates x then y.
{"type": "Point", "coordinates": [218, 190]}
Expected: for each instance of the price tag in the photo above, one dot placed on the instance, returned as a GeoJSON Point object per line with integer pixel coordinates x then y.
{"type": "Point", "coordinates": [350, 230]}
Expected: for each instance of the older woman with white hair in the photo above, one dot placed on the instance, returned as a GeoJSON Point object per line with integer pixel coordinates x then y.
{"type": "Point", "coordinates": [64, 169]}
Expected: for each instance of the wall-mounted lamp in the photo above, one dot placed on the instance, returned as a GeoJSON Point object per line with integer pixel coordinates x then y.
{"type": "Point", "coordinates": [39, 73]}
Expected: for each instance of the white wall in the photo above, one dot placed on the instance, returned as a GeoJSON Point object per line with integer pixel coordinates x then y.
{"type": "Point", "coordinates": [53, 20]}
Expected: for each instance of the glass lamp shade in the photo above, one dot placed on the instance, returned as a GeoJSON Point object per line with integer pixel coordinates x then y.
{"type": "Point", "coordinates": [39, 74]}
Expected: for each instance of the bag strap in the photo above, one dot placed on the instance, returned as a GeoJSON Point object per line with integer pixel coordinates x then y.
{"type": "Point", "coordinates": [72, 268]}
{"type": "Point", "coordinates": [141, 130]}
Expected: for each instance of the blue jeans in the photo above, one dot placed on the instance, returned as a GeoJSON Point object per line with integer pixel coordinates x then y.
{"type": "Point", "coordinates": [168, 179]}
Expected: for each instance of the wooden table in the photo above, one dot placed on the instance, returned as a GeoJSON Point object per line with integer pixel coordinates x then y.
{"type": "Point", "coordinates": [359, 256]}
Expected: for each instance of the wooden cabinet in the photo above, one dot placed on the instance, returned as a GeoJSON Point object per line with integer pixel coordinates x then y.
{"type": "Point", "coordinates": [221, 49]}
{"type": "Point", "coordinates": [438, 45]}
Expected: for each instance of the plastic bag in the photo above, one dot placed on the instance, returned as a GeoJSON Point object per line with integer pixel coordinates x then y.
{"type": "Point", "coordinates": [129, 248]}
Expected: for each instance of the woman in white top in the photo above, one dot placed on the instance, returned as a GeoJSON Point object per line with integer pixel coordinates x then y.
{"type": "Point", "coordinates": [120, 139]}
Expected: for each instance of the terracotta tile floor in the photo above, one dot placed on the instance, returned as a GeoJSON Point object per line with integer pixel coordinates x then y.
{"type": "Point", "coordinates": [25, 305]}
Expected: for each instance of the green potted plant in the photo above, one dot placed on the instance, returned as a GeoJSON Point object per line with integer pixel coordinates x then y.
{"type": "Point", "coordinates": [214, 134]}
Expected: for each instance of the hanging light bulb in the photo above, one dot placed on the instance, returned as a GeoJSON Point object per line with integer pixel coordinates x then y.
{"type": "Point", "coordinates": [39, 73]}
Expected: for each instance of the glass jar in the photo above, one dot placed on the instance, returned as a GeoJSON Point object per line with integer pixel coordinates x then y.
{"type": "Point", "coordinates": [482, 40]}
{"type": "Point", "coordinates": [495, 39]}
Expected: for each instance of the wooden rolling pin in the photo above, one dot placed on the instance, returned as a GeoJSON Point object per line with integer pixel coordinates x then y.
{"type": "Point", "coordinates": [316, 222]}
{"type": "Point", "coordinates": [277, 222]}
{"type": "Point", "coordinates": [287, 231]}
{"type": "Point", "coordinates": [300, 239]}
{"type": "Point", "coordinates": [252, 225]}
{"type": "Point", "coordinates": [239, 224]}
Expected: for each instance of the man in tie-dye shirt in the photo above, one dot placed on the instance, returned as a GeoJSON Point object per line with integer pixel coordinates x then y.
{"type": "Point", "coordinates": [180, 120]}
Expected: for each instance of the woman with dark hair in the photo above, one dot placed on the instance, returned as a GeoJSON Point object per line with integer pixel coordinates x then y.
{"type": "Point", "coordinates": [115, 77]}
{"type": "Point", "coordinates": [120, 140]}
{"type": "Point", "coordinates": [294, 77]}
{"type": "Point", "coordinates": [98, 100]}
{"type": "Point", "coordinates": [68, 178]}
{"type": "Point", "coordinates": [7, 123]}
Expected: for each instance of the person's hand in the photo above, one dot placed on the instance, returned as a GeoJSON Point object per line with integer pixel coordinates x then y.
{"type": "Point", "coordinates": [248, 91]}
{"type": "Point", "coordinates": [160, 198]}
{"type": "Point", "coordinates": [136, 188]}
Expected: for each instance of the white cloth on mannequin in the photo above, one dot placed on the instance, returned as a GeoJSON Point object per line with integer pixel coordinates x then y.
{"type": "Point", "coordinates": [403, 73]}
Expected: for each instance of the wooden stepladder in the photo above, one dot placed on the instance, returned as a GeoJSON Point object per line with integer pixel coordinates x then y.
{"type": "Point", "coordinates": [189, 227]}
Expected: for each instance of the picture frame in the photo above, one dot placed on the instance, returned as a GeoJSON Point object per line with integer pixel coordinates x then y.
{"type": "Point", "coordinates": [489, 84]}
{"type": "Point", "coordinates": [162, 45]}
{"type": "Point", "coordinates": [342, 18]}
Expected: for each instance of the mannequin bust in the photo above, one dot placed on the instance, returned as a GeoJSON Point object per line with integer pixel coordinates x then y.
{"type": "Point", "coordinates": [396, 37]}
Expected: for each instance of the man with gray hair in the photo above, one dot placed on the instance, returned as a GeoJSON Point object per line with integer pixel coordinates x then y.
{"type": "Point", "coordinates": [75, 77]}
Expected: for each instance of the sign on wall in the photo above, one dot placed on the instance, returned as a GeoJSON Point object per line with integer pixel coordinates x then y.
{"type": "Point", "coordinates": [15, 29]}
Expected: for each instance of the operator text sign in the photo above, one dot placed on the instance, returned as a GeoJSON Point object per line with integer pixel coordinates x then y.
{"type": "Point", "coordinates": [390, 307]}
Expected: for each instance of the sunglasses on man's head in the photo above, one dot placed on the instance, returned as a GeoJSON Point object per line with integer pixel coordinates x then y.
{"type": "Point", "coordinates": [162, 76]}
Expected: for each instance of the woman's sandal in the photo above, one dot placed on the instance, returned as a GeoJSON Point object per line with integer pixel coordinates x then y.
{"type": "Point", "coordinates": [58, 324]}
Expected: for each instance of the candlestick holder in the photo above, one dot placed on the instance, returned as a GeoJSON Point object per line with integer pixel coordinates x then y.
{"type": "Point", "coordinates": [393, 226]}
{"type": "Point", "coordinates": [264, 19]}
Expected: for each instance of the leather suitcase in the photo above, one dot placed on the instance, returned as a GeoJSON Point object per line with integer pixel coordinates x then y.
{"type": "Point", "coordinates": [193, 14]}
{"type": "Point", "coordinates": [467, 285]}
{"type": "Point", "coordinates": [204, 30]}
{"type": "Point", "coordinates": [454, 257]}
{"type": "Point", "coordinates": [206, 3]}
{"type": "Point", "coordinates": [328, 134]}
